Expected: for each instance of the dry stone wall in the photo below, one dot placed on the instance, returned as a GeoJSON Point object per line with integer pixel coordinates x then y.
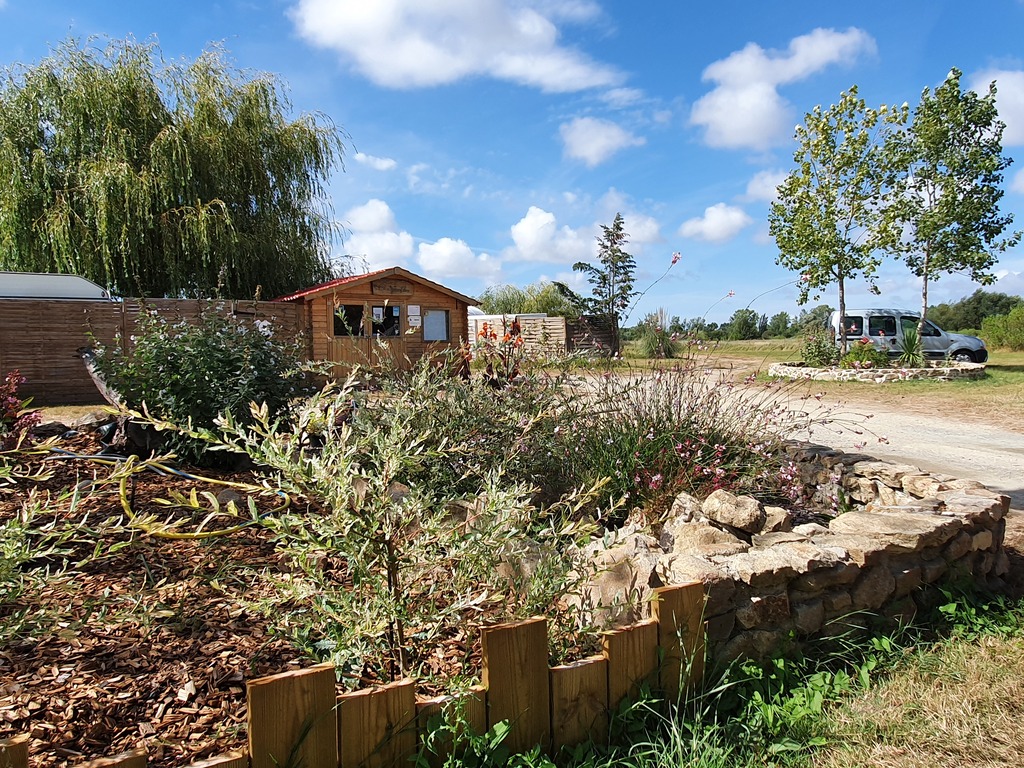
{"type": "Point", "coordinates": [769, 576]}
{"type": "Point", "coordinates": [935, 372]}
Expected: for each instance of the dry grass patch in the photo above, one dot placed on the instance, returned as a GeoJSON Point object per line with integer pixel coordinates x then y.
{"type": "Point", "coordinates": [960, 704]}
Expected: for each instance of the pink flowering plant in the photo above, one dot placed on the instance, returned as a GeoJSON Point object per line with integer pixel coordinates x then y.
{"type": "Point", "coordinates": [16, 420]}
{"type": "Point", "coordinates": [864, 356]}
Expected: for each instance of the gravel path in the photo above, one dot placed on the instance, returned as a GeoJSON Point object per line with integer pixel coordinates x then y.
{"type": "Point", "coordinates": [953, 446]}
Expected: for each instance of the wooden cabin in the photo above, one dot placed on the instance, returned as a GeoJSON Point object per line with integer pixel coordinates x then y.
{"type": "Point", "coordinates": [391, 313]}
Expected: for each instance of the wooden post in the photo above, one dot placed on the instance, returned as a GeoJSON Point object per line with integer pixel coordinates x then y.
{"type": "Point", "coordinates": [135, 758]}
{"type": "Point", "coordinates": [292, 721]}
{"type": "Point", "coordinates": [466, 710]}
{"type": "Point", "coordinates": [579, 702]}
{"type": "Point", "coordinates": [377, 726]}
{"type": "Point", "coordinates": [515, 673]}
{"type": "Point", "coordinates": [14, 752]}
{"type": "Point", "coordinates": [679, 611]}
{"type": "Point", "coordinates": [632, 654]}
{"type": "Point", "coordinates": [237, 759]}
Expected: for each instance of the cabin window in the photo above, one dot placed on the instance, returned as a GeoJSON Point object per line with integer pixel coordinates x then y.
{"type": "Point", "coordinates": [348, 320]}
{"type": "Point", "coordinates": [387, 320]}
{"type": "Point", "coordinates": [435, 325]}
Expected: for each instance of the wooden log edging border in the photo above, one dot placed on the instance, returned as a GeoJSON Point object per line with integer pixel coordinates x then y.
{"type": "Point", "coordinates": [296, 718]}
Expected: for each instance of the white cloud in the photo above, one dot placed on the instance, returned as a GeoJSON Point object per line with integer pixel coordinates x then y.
{"type": "Point", "coordinates": [448, 258]}
{"type": "Point", "coordinates": [593, 140]}
{"type": "Point", "coordinates": [1009, 100]}
{"type": "Point", "coordinates": [377, 163]}
{"type": "Point", "coordinates": [374, 239]}
{"type": "Point", "coordinates": [763, 185]}
{"type": "Point", "coordinates": [642, 229]}
{"type": "Point", "coordinates": [411, 43]}
{"type": "Point", "coordinates": [1017, 185]}
{"type": "Point", "coordinates": [619, 98]}
{"type": "Point", "coordinates": [538, 237]}
{"type": "Point", "coordinates": [720, 222]}
{"type": "Point", "coordinates": [745, 109]}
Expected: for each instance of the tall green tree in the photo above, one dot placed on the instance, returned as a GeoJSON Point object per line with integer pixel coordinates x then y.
{"type": "Point", "coordinates": [971, 311]}
{"type": "Point", "coordinates": [159, 179]}
{"type": "Point", "coordinates": [612, 279]}
{"type": "Point", "coordinates": [944, 208]}
{"type": "Point", "coordinates": [827, 218]}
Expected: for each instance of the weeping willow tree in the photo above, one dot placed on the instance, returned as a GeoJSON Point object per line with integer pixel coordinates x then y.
{"type": "Point", "coordinates": [162, 179]}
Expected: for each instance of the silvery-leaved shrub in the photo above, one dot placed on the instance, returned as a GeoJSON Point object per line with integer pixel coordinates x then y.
{"type": "Point", "coordinates": [192, 371]}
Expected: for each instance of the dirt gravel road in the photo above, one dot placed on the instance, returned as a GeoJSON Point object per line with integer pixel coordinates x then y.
{"type": "Point", "coordinates": [959, 446]}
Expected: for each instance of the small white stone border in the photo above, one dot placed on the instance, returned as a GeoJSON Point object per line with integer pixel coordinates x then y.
{"type": "Point", "coordinates": [937, 372]}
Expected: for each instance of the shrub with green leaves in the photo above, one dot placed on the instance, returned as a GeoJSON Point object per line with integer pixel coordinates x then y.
{"type": "Point", "coordinates": [864, 355]}
{"type": "Point", "coordinates": [1005, 331]}
{"type": "Point", "coordinates": [820, 350]}
{"type": "Point", "coordinates": [193, 371]}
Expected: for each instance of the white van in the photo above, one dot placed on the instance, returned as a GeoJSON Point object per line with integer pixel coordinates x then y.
{"type": "Point", "coordinates": [885, 328]}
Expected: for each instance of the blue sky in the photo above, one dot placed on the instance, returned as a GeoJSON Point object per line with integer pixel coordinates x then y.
{"type": "Point", "coordinates": [490, 139]}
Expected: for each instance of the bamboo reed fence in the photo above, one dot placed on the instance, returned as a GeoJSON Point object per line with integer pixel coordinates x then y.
{"type": "Point", "coordinates": [297, 719]}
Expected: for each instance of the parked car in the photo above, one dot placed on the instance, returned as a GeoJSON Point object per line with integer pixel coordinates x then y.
{"type": "Point", "coordinates": [885, 329]}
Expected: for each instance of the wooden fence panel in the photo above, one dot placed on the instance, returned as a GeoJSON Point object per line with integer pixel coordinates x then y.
{"type": "Point", "coordinates": [515, 673]}
{"type": "Point", "coordinates": [579, 702]}
{"type": "Point", "coordinates": [467, 710]}
{"type": "Point", "coordinates": [679, 611]}
{"type": "Point", "coordinates": [14, 752]}
{"type": "Point", "coordinates": [236, 759]}
{"type": "Point", "coordinates": [377, 727]}
{"type": "Point", "coordinates": [292, 721]}
{"type": "Point", "coordinates": [632, 654]}
{"type": "Point", "coordinates": [135, 758]}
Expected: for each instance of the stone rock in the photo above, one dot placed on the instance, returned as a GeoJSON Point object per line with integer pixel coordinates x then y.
{"type": "Point", "coordinates": [689, 536]}
{"type": "Point", "coordinates": [873, 588]}
{"type": "Point", "coordinates": [932, 570]}
{"type": "Point", "coordinates": [857, 548]}
{"type": "Point", "coordinates": [981, 540]}
{"type": "Point", "coordinates": [777, 564]}
{"type": "Point", "coordinates": [775, 537]}
{"type": "Point", "coordinates": [621, 580]}
{"type": "Point", "coordinates": [958, 547]}
{"type": "Point", "coordinates": [809, 616]}
{"type": "Point", "coordinates": [899, 532]}
{"type": "Point", "coordinates": [901, 612]}
{"type": "Point", "coordinates": [839, 575]}
{"type": "Point", "coordinates": [980, 506]}
{"type": "Point", "coordinates": [907, 580]}
{"type": "Point", "coordinates": [763, 610]}
{"type": "Point", "coordinates": [777, 519]}
{"type": "Point", "coordinates": [721, 627]}
{"type": "Point", "coordinates": [837, 603]}
{"type": "Point", "coordinates": [47, 429]}
{"type": "Point", "coordinates": [922, 485]}
{"type": "Point", "coordinates": [756, 644]}
{"type": "Point", "coordinates": [810, 529]}
{"type": "Point", "coordinates": [684, 568]}
{"type": "Point", "coordinates": [744, 513]}
{"type": "Point", "coordinates": [684, 508]}
{"type": "Point", "coordinates": [890, 474]}
{"type": "Point", "coordinates": [861, 489]}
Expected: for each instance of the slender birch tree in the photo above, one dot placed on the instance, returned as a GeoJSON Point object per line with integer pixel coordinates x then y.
{"type": "Point", "coordinates": [157, 179]}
